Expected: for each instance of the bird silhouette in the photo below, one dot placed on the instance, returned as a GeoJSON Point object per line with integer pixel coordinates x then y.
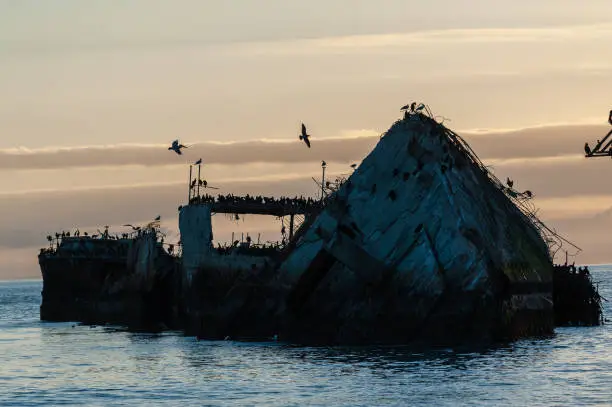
{"type": "Point", "coordinates": [323, 163]}
{"type": "Point", "coordinates": [198, 162]}
{"type": "Point", "coordinates": [509, 182]}
{"type": "Point", "coordinates": [587, 149]}
{"type": "Point", "coordinates": [158, 217]}
{"type": "Point", "coordinates": [405, 107]}
{"type": "Point", "coordinates": [353, 166]}
{"type": "Point", "coordinates": [304, 136]}
{"type": "Point", "coordinates": [176, 147]}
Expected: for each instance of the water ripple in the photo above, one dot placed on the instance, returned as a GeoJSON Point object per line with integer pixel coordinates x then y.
{"type": "Point", "coordinates": [70, 364]}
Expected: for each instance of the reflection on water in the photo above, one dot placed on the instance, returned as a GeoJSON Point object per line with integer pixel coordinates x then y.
{"type": "Point", "coordinates": [65, 363]}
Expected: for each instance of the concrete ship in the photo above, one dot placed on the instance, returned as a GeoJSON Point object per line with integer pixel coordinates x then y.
{"type": "Point", "coordinates": [104, 279]}
{"type": "Point", "coordinates": [421, 244]}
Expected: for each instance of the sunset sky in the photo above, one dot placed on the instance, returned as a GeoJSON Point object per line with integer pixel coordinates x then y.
{"type": "Point", "coordinates": [92, 93]}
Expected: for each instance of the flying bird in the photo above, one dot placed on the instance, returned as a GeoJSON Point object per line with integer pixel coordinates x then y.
{"type": "Point", "coordinates": [176, 147]}
{"type": "Point", "coordinates": [304, 136]}
{"type": "Point", "coordinates": [133, 227]}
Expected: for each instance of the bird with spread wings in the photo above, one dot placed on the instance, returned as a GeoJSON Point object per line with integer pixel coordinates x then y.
{"type": "Point", "coordinates": [176, 147]}
{"type": "Point", "coordinates": [304, 136]}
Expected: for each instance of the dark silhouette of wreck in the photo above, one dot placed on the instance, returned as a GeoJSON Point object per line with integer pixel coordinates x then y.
{"type": "Point", "coordinates": [420, 244]}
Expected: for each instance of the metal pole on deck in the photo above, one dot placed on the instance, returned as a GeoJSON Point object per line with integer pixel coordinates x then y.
{"type": "Point", "coordinates": [323, 166]}
{"type": "Point", "coordinates": [291, 225]}
{"type": "Point", "coordinates": [199, 168]}
{"type": "Point", "coordinates": [189, 184]}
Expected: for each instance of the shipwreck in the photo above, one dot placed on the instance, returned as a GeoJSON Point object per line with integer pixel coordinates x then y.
{"type": "Point", "coordinates": [420, 244]}
{"type": "Point", "coordinates": [99, 279]}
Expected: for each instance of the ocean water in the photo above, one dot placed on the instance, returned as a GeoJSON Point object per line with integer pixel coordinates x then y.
{"type": "Point", "coordinates": [67, 364]}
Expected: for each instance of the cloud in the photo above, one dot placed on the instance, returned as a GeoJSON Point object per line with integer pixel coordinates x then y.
{"type": "Point", "coordinates": [228, 153]}
{"type": "Point", "coordinates": [427, 38]}
{"type": "Point", "coordinates": [544, 141]}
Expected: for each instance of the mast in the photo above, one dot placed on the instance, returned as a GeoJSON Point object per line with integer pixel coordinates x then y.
{"type": "Point", "coordinates": [199, 179]}
{"type": "Point", "coordinates": [189, 183]}
{"type": "Point", "coordinates": [323, 166]}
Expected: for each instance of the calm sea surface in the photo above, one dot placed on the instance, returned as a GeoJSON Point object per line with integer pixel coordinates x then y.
{"type": "Point", "coordinates": [58, 364]}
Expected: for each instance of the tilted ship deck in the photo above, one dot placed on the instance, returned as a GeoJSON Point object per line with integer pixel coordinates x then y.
{"type": "Point", "coordinates": [420, 244]}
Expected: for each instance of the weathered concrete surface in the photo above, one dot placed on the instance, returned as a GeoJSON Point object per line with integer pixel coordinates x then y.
{"type": "Point", "coordinates": [223, 294]}
{"type": "Point", "coordinates": [127, 281]}
{"type": "Point", "coordinates": [417, 245]}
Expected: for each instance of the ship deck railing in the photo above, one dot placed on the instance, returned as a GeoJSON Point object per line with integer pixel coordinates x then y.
{"type": "Point", "coordinates": [246, 206]}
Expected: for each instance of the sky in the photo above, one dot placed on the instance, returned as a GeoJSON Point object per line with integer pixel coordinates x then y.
{"type": "Point", "coordinates": [92, 93]}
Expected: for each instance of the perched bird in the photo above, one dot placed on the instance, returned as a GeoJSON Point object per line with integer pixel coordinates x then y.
{"type": "Point", "coordinates": [509, 182]}
{"type": "Point", "coordinates": [198, 162]}
{"type": "Point", "coordinates": [304, 136]}
{"type": "Point", "coordinates": [587, 149]}
{"type": "Point", "coordinates": [323, 163]}
{"type": "Point", "coordinates": [158, 217]}
{"type": "Point", "coordinates": [353, 166]}
{"type": "Point", "coordinates": [420, 107]}
{"type": "Point", "coordinates": [176, 147]}
{"type": "Point", "coordinates": [405, 107]}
